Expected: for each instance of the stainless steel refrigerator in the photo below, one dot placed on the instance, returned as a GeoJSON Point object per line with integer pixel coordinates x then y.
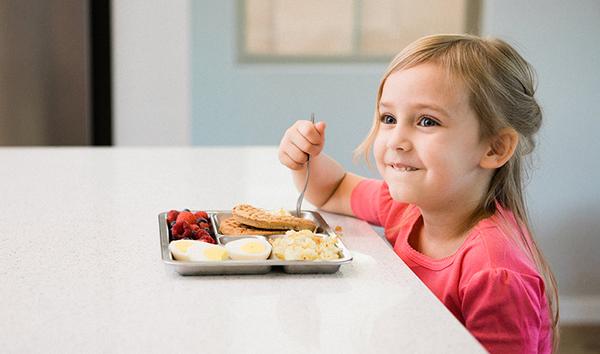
{"type": "Point", "coordinates": [50, 92]}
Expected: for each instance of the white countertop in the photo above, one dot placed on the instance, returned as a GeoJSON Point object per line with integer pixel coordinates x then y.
{"type": "Point", "coordinates": [81, 268]}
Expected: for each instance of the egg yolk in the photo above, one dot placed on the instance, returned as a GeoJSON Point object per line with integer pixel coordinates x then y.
{"type": "Point", "coordinates": [183, 246]}
{"type": "Point", "coordinates": [253, 247]}
{"type": "Point", "coordinates": [215, 253]}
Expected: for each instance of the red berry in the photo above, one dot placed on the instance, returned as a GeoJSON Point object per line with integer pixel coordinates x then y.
{"type": "Point", "coordinates": [187, 217]}
{"type": "Point", "coordinates": [207, 239]}
{"type": "Point", "coordinates": [203, 225]}
{"type": "Point", "coordinates": [187, 233]}
{"type": "Point", "coordinates": [177, 229]}
{"type": "Point", "coordinates": [194, 227]}
{"type": "Point", "coordinates": [177, 237]}
{"type": "Point", "coordinates": [201, 214]}
{"type": "Point", "coordinates": [172, 216]}
{"type": "Point", "coordinates": [202, 233]}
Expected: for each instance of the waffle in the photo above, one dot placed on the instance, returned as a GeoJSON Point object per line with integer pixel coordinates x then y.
{"type": "Point", "coordinates": [230, 226]}
{"type": "Point", "coordinates": [259, 218]}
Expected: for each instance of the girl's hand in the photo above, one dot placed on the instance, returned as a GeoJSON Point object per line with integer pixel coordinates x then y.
{"type": "Point", "coordinates": [299, 141]}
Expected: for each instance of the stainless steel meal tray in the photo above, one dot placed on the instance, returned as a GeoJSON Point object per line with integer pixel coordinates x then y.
{"type": "Point", "coordinates": [249, 267]}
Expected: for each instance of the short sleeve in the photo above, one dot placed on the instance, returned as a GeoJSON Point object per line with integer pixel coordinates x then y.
{"type": "Point", "coordinates": [365, 200]}
{"type": "Point", "coordinates": [503, 310]}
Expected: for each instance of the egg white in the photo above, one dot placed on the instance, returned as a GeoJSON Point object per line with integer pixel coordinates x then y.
{"type": "Point", "coordinates": [193, 250]}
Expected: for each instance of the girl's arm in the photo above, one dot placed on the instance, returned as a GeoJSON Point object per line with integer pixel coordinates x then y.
{"type": "Point", "coordinates": [330, 186]}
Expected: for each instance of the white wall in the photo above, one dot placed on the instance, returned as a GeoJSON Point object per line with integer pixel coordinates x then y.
{"type": "Point", "coordinates": [151, 70]}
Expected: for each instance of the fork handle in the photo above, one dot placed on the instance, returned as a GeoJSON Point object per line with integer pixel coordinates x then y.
{"type": "Point", "coordinates": [301, 197]}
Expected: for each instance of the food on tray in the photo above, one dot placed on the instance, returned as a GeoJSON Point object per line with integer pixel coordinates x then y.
{"type": "Point", "coordinates": [279, 212]}
{"type": "Point", "coordinates": [187, 225]}
{"type": "Point", "coordinates": [305, 245]}
{"type": "Point", "coordinates": [259, 218]}
{"type": "Point", "coordinates": [230, 226]}
{"type": "Point", "coordinates": [192, 250]}
{"type": "Point", "coordinates": [248, 249]}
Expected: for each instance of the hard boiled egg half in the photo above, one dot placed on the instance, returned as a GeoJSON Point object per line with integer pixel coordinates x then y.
{"type": "Point", "coordinates": [249, 249]}
{"type": "Point", "coordinates": [193, 250]}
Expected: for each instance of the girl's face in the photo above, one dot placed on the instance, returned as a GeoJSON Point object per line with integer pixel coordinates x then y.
{"type": "Point", "coordinates": [427, 147]}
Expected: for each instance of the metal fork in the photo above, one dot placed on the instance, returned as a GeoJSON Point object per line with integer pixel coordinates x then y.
{"type": "Point", "coordinates": [301, 197]}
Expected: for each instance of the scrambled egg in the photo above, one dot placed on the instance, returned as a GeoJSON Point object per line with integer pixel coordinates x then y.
{"type": "Point", "coordinates": [280, 212]}
{"type": "Point", "coordinates": [306, 246]}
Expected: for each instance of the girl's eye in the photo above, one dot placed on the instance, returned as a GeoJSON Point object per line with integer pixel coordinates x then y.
{"type": "Point", "coordinates": [387, 119]}
{"type": "Point", "coordinates": [427, 122]}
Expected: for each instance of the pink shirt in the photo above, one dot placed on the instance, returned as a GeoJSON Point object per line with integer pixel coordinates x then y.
{"type": "Point", "coordinates": [490, 285]}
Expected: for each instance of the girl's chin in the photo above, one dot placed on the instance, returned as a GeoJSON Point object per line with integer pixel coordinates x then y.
{"type": "Point", "coordinates": [402, 196]}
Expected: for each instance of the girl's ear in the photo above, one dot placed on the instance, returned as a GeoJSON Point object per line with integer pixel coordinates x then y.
{"type": "Point", "coordinates": [501, 148]}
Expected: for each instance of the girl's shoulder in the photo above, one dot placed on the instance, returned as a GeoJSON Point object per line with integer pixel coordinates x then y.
{"type": "Point", "coordinates": [495, 244]}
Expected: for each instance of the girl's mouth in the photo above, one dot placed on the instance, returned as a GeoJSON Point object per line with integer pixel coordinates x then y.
{"type": "Point", "coordinates": [402, 167]}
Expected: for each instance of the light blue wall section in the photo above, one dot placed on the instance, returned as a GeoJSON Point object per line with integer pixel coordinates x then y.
{"type": "Point", "coordinates": [561, 40]}
{"type": "Point", "coordinates": [253, 104]}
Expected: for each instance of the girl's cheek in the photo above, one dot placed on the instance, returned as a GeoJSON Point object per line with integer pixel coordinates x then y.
{"type": "Point", "coordinates": [379, 153]}
{"type": "Point", "coordinates": [378, 148]}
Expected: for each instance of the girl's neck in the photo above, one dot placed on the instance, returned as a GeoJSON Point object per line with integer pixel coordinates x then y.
{"type": "Point", "coordinates": [440, 233]}
{"type": "Point", "coordinates": [446, 224]}
{"type": "Point", "coordinates": [450, 219]}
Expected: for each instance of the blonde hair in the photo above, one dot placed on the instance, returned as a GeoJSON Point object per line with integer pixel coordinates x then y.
{"type": "Point", "coordinates": [501, 88]}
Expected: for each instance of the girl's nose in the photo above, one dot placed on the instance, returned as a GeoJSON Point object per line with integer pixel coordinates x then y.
{"type": "Point", "coordinates": [399, 139]}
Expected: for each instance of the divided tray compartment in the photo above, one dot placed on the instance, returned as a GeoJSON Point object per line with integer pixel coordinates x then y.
{"type": "Point", "coordinates": [249, 267]}
{"type": "Point", "coordinates": [322, 227]}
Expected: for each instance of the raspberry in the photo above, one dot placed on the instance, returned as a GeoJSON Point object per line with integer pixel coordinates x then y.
{"type": "Point", "coordinates": [187, 217]}
{"type": "Point", "coordinates": [177, 237]}
{"type": "Point", "coordinates": [186, 225]}
{"type": "Point", "coordinates": [206, 239]}
{"type": "Point", "coordinates": [202, 233]}
{"type": "Point", "coordinates": [172, 216]}
{"type": "Point", "coordinates": [187, 233]}
{"type": "Point", "coordinates": [203, 225]}
{"type": "Point", "coordinates": [194, 227]}
{"type": "Point", "coordinates": [177, 229]}
{"type": "Point", "coordinates": [201, 214]}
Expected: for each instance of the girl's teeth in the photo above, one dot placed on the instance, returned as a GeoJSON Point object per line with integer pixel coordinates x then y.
{"type": "Point", "coordinates": [405, 169]}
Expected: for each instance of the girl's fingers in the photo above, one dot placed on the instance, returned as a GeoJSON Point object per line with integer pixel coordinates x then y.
{"type": "Point", "coordinates": [299, 141]}
{"type": "Point", "coordinates": [320, 127]}
{"type": "Point", "coordinates": [287, 161]}
{"type": "Point", "coordinates": [297, 154]}
{"type": "Point", "coordinates": [307, 139]}
{"type": "Point", "coordinates": [290, 154]}
{"type": "Point", "coordinates": [311, 131]}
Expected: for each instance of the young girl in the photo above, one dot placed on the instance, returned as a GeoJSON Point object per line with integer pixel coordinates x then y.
{"type": "Point", "coordinates": [454, 117]}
